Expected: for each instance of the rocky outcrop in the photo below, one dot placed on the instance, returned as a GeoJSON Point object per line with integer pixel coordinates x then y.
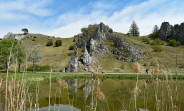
{"type": "Point", "coordinates": [21, 37]}
{"type": "Point", "coordinates": [168, 32]}
{"type": "Point", "coordinates": [73, 64]}
{"type": "Point", "coordinates": [96, 38]}
{"type": "Point", "coordinates": [87, 60]}
{"type": "Point", "coordinates": [9, 35]}
{"type": "Point", "coordinates": [124, 50]}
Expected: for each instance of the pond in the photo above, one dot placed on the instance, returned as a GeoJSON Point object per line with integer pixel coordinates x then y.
{"type": "Point", "coordinates": [108, 95]}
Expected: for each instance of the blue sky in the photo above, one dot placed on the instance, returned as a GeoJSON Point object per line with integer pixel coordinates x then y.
{"type": "Point", "coordinates": [65, 18]}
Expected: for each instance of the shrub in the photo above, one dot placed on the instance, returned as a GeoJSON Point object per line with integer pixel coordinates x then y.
{"type": "Point", "coordinates": [174, 43]}
{"type": "Point", "coordinates": [49, 43]}
{"type": "Point", "coordinates": [110, 30]}
{"type": "Point", "coordinates": [74, 40]}
{"type": "Point", "coordinates": [157, 41]}
{"type": "Point", "coordinates": [40, 68]}
{"type": "Point", "coordinates": [70, 54]}
{"type": "Point", "coordinates": [71, 47]}
{"type": "Point", "coordinates": [154, 34]}
{"type": "Point", "coordinates": [33, 40]}
{"type": "Point", "coordinates": [58, 43]}
{"type": "Point", "coordinates": [146, 40]}
{"type": "Point", "coordinates": [181, 65]}
{"type": "Point", "coordinates": [157, 48]}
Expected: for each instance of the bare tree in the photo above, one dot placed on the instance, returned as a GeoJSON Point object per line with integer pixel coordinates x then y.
{"type": "Point", "coordinates": [35, 55]}
{"type": "Point", "coordinates": [134, 30]}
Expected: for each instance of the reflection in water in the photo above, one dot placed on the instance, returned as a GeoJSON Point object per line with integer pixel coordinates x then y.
{"type": "Point", "coordinates": [58, 107]}
{"type": "Point", "coordinates": [81, 94]}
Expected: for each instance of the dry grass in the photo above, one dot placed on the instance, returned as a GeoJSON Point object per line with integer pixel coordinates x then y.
{"type": "Point", "coordinates": [137, 67]}
{"type": "Point", "coordinates": [58, 57]}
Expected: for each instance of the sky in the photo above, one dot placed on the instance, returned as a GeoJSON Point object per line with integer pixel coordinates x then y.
{"type": "Point", "coordinates": [65, 18]}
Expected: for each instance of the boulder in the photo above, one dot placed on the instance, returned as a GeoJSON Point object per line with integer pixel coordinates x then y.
{"type": "Point", "coordinates": [89, 69]}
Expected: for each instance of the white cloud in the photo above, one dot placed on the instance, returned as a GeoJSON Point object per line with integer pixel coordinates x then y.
{"type": "Point", "coordinates": [146, 15]}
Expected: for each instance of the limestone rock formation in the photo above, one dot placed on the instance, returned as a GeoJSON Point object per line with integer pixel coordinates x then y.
{"type": "Point", "coordinates": [73, 64]}
{"type": "Point", "coordinates": [87, 60]}
{"type": "Point", "coordinates": [96, 38]}
{"type": "Point", "coordinates": [124, 50]}
{"type": "Point", "coordinates": [9, 35]}
{"type": "Point", "coordinates": [168, 32]}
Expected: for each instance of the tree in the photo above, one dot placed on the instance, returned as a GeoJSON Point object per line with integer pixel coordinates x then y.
{"type": "Point", "coordinates": [35, 55]}
{"type": "Point", "coordinates": [134, 30]}
{"type": "Point", "coordinates": [25, 30]}
{"type": "Point", "coordinates": [155, 29]}
{"type": "Point", "coordinates": [7, 51]}
{"type": "Point", "coordinates": [58, 43]}
{"type": "Point", "coordinates": [20, 55]}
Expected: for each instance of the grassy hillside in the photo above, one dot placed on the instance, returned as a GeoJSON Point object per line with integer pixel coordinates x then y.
{"type": "Point", "coordinates": [58, 57]}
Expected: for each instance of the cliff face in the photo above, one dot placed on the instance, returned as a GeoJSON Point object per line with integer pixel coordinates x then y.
{"type": "Point", "coordinates": [168, 32]}
{"type": "Point", "coordinates": [94, 40]}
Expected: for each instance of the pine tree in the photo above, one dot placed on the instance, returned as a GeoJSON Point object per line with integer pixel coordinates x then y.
{"type": "Point", "coordinates": [134, 30]}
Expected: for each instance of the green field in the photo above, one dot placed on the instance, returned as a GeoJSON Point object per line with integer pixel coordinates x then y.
{"type": "Point", "coordinates": [54, 76]}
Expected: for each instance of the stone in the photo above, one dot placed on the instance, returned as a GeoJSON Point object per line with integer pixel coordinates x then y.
{"type": "Point", "coordinates": [89, 69]}
{"type": "Point", "coordinates": [92, 46]}
{"type": "Point", "coordinates": [9, 35]}
{"type": "Point", "coordinates": [80, 64]}
{"type": "Point", "coordinates": [63, 70]}
{"type": "Point", "coordinates": [73, 64]}
{"type": "Point", "coordinates": [99, 67]}
{"type": "Point", "coordinates": [87, 60]}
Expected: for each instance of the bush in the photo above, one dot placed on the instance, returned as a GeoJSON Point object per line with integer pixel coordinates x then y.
{"type": "Point", "coordinates": [74, 40]}
{"type": "Point", "coordinates": [157, 41]}
{"type": "Point", "coordinates": [154, 34]}
{"type": "Point", "coordinates": [40, 68]}
{"type": "Point", "coordinates": [49, 43]}
{"type": "Point", "coordinates": [70, 54]}
{"type": "Point", "coordinates": [174, 43]}
{"type": "Point", "coordinates": [146, 40]}
{"type": "Point", "coordinates": [58, 43]}
{"type": "Point", "coordinates": [181, 65]}
{"type": "Point", "coordinates": [157, 48]}
{"type": "Point", "coordinates": [33, 40]}
{"type": "Point", "coordinates": [71, 47]}
{"type": "Point", "coordinates": [110, 30]}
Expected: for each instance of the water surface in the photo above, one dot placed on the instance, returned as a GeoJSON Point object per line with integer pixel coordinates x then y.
{"type": "Point", "coordinates": [108, 94]}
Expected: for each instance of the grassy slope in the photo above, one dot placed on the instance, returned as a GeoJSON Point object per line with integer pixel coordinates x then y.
{"type": "Point", "coordinates": [55, 57]}
{"type": "Point", "coordinates": [58, 57]}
